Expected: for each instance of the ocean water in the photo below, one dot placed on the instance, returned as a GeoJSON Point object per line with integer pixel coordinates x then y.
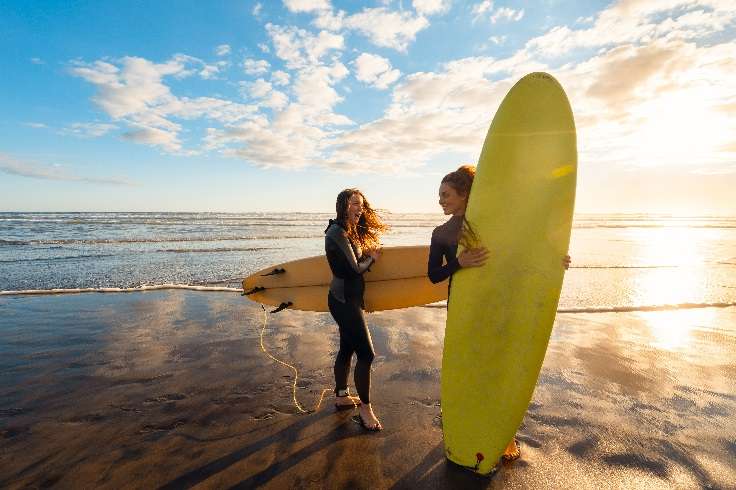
{"type": "Point", "coordinates": [619, 261]}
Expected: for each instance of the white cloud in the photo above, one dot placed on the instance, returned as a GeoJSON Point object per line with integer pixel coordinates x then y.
{"type": "Point", "coordinates": [167, 140]}
{"type": "Point", "coordinates": [430, 113]}
{"type": "Point", "coordinates": [636, 21]}
{"type": "Point", "coordinates": [296, 137]}
{"type": "Point", "coordinates": [297, 133]}
{"type": "Point", "coordinates": [300, 125]}
{"type": "Point", "coordinates": [387, 28]}
{"type": "Point", "coordinates": [35, 125]}
{"type": "Point", "coordinates": [382, 26]}
{"type": "Point", "coordinates": [277, 100]}
{"type": "Point", "coordinates": [300, 48]}
{"type": "Point", "coordinates": [505, 13]}
{"type": "Point", "coordinates": [280, 77]}
{"type": "Point", "coordinates": [132, 89]}
{"type": "Point", "coordinates": [314, 89]}
{"type": "Point", "coordinates": [306, 5]}
{"type": "Point", "coordinates": [515, 66]}
{"type": "Point", "coordinates": [257, 9]}
{"type": "Point", "coordinates": [222, 50]}
{"type": "Point", "coordinates": [38, 61]}
{"type": "Point", "coordinates": [646, 105]}
{"type": "Point", "coordinates": [375, 70]}
{"type": "Point", "coordinates": [329, 20]}
{"type": "Point", "coordinates": [263, 92]}
{"type": "Point", "coordinates": [481, 8]}
{"type": "Point", "coordinates": [286, 143]}
{"type": "Point", "coordinates": [431, 7]}
{"type": "Point", "coordinates": [211, 108]}
{"type": "Point", "coordinates": [209, 72]}
{"type": "Point", "coordinates": [259, 89]}
{"type": "Point", "coordinates": [626, 102]}
{"type": "Point", "coordinates": [622, 96]}
{"type": "Point", "coordinates": [186, 66]}
{"type": "Point", "coordinates": [134, 93]}
{"type": "Point", "coordinates": [486, 7]}
{"type": "Point", "coordinates": [264, 47]}
{"type": "Point", "coordinates": [256, 67]}
{"type": "Point", "coordinates": [99, 73]}
{"type": "Point", "coordinates": [89, 130]}
{"type": "Point", "coordinates": [584, 20]}
{"type": "Point", "coordinates": [12, 166]}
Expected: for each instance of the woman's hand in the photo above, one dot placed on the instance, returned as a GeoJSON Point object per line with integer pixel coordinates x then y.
{"type": "Point", "coordinates": [374, 254]}
{"type": "Point", "coordinates": [473, 257]}
{"type": "Point", "coordinates": [566, 262]}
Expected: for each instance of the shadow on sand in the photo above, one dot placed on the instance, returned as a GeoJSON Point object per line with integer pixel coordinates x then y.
{"type": "Point", "coordinates": [435, 471]}
{"type": "Point", "coordinates": [288, 435]}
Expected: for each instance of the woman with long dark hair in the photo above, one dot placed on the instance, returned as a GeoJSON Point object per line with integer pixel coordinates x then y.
{"type": "Point", "coordinates": [352, 246]}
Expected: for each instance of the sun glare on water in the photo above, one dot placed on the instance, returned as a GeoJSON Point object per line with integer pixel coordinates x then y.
{"type": "Point", "coordinates": [681, 279]}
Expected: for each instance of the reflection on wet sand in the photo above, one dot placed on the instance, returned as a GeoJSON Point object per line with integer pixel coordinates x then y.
{"type": "Point", "coordinates": [170, 389]}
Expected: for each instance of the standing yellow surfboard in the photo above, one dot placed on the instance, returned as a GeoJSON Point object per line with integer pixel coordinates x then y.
{"type": "Point", "coordinates": [500, 315]}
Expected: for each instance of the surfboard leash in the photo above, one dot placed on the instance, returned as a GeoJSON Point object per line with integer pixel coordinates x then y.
{"type": "Point", "coordinates": [296, 372]}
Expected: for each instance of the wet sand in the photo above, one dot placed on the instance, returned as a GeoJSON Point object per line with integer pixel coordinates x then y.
{"type": "Point", "coordinates": [170, 389]}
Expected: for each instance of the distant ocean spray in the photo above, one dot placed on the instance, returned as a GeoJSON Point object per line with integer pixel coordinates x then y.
{"type": "Point", "coordinates": [620, 262]}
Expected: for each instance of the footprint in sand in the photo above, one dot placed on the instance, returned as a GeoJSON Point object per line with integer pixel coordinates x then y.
{"type": "Point", "coordinates": [169, 397]}
{"type": "Point", "coordinates": [146, 429]}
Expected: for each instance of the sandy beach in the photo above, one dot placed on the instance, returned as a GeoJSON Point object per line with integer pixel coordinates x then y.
{"type": "Point", "coordinates": [170, 389]}
{"type": "Point", "coordinates": [166, 165]}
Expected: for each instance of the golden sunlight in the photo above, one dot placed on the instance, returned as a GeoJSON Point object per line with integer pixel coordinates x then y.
{"type": "Point", "coordinates": [680, 280]}
{"type": "Point", "coordinates": [672, 329]}
{"type": "Point", "coordinates": [681, 128]}
{"type": "Point", "coordinates": [670, 246]}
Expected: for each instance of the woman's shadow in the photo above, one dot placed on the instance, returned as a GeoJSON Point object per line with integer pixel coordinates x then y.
{"type": "Point", "coordinates": [288, 434]}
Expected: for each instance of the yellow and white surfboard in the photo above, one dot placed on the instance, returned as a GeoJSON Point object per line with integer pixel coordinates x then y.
{"type": "Point", "coordinates": [397, 280]}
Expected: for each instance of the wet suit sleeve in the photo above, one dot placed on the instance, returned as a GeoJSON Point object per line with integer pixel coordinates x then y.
{"type": "Point", "coordinates": [436, 271]}
{"type": "Point", "coordinates": [342, 245]}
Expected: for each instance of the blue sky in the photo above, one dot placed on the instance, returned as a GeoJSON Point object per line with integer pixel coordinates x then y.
{"type": "Point", "coordinates": [276, 106]}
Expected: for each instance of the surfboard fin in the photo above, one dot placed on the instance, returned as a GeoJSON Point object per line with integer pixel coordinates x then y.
{"type": "Point", "coordinates": [256, 289]}
{"type": "Point", "coordinates": [282, 307]}
{"type": "Point", "coordinates": [274, 272]}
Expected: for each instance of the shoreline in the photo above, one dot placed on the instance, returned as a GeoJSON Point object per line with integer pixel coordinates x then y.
{"type": "Point", "coordinates": [219, 289]}
{"type": "Point", "coordinates": [170, 389]}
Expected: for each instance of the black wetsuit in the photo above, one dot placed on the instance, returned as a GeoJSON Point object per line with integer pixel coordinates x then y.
{"type": "Point", "coordinates": [345, 301]}
{"type": "Point", "coordinates": [444, 244]}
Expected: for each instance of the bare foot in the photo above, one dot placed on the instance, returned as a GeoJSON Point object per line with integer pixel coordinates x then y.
{"type": "Point", "coordinates": [347, 401]}
{"type": "Point", "coordinates": [512, 451]}
{"type": "Point", "coordinates": [368, 418]}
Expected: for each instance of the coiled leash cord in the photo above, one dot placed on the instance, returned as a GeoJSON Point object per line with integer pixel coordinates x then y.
{"type": "Point", "coordinates": [296, 373]}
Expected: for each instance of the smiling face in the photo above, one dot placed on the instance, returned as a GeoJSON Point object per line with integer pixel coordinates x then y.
{"type": "Point", "coordinates": [451, 201]}
{"type": "Point", "coordinates": [355, 208]}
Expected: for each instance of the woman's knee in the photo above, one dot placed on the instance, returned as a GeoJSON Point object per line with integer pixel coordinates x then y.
{"type": "Point", "coordinates": [343, 356]}
{"type": "Point", "coordinates": [366, 355]}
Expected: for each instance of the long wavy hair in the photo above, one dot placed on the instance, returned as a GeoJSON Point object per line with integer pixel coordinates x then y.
{"type": "Point", "coordinates": [461, 180]}
{"type": "Point", "coordinates": [370, 226]}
